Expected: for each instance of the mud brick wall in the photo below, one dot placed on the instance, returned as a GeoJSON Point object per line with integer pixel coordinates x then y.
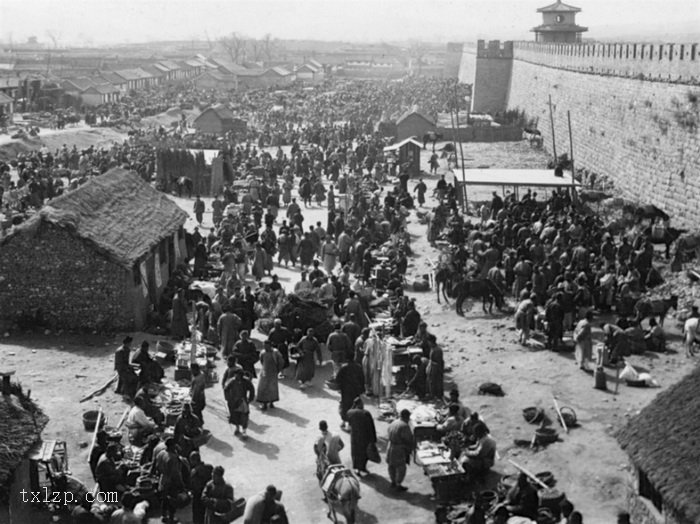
{"type": "Point", "coordinates": [64, 276]}
{"type": "Point", "coordinates": [643, 135]}
{"type": "Point", "coordinates": [642, 510]}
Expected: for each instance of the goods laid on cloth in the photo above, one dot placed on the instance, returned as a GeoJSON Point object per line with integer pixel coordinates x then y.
{"type": "Point", "coordinates": [299, 313]}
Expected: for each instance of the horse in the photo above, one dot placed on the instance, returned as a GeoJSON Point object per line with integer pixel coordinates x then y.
{"type": "Point", "coordinates": [431, 136]}
{"type": "Point", "coordinates": [477, 288]}
{"type": "Point", "coordinates": [647, 307]}
{"type": "Point", "coordinates": [341, 493]}
{"type": "Point", "coordinates": [443, 278]}
{"type": "Point", "coordinates": [645, 212]}
{"type": "Point", "coordinates": [688, 242]}
{"type": "Point", "coordinates": [690, 335]}
{"type": "Point", "coordinates": [662, 235]}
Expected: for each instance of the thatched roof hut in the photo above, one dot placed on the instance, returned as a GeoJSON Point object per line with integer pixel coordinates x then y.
{"type": "Point", "coordinates": [21, 424]}
{"type": "Point", "coordinates": [95, 258]}
{"type": "Point", "coordinates": [117, 213]}
{"type": "Point", "coordinates": [663, 442]}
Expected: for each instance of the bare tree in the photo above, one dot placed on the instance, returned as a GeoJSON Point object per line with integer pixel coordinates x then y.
{"type": "Point", "coordinates": [270, 46]}
{"type": "Point", "coordinates": [256, 49]}
{"type": "Point", "coordinates": [235, 46]}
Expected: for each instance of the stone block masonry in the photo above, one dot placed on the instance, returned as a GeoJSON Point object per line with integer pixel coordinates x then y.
{"type": "Point", "coordinates": [656, 62]}
{"type": "Point", "coordinates": [642, 134]}
{"type": "Point", "coordinates": [75, 285]}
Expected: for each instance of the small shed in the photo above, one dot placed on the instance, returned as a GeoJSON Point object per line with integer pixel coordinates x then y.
{"type": "Point", "coordinates": [217, 120]}
{"type": "Point", "coordinates": [407, 152]}
{"type": "Point", "coordinates": [662, 444]}
{"type": "Point", "coordinates": [100, 94]}
{"type": "Point", "coordinates": [96, 257]}
{"type": "Point", "coordinates": [21, 424]}
{"type": "Point", "coordinates": [414, 122]}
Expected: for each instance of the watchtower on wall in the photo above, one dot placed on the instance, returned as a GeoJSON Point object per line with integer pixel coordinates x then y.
{"type": "Point", "coordinates": [494, 65]}
{"type": "Point", "coordinates": [559, 24]}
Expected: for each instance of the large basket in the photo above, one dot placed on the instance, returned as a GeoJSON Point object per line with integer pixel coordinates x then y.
{"type": "Point", "coordinates": [533, 415]}
{"type": "Point", "coordinates": [569, 416]}
{"type": "Point", "coordinates": [546, 435]}
{"type": "Point", "coordinates": [90, 420]}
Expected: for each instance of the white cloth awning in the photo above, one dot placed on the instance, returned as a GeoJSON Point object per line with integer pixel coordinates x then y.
{"type": "Point", "coordinates": [395, 147]}
{"type": "Point", "coordinates": [515, 177]}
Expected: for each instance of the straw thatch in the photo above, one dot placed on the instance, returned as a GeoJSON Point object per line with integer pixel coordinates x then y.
{"type": "Point", "coordinates": [21, 423]}
{"type": "Point", "coordinates": [117, 212]}
{"type": "Point", "coordinates": [663, 440]}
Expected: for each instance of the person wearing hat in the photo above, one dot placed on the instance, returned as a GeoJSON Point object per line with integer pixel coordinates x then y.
{"type": "Point", "coordinates": [101, 443]}
{"type": "Point", "coordinates": [339, 346]}
{"type": "Point", "coordinates": [108, 475]}
{"type": "Point", "coordinates": [171, 472]}
{"type": "Point", "coordinates": [231, 367]}
{"type": "Point", "coordinates": [306, 250]}
{"type": "Point", "coordinates": [127, 383]}
{"type": "Point", "coordinates": [246, 353]}
{"type": "Point", "coordinates": [327, 448]}
{"type": "Point", "coordinates": [228, 327]}
{"type": "Point", "coordinates": [362, 435]}
{"type": "Point", "coordinates": [200, 475]}
{"type": "Point", "coordinates": [351, 383]}
{"type": "Point", "coordinates": [303, 284]}
{"type": "Point", "coordinates": [280, 337]}
{"type": "Point", "coordinates": [272, 364]}
{"type": "Point", "coordinates": [480, 457]}
{"type": "Point", "coordinates": [239, 392]}
{"type": "Point", "coordinates": [401, 445]}
{"type": "Point", "coordinates": [151, 371]}
{"type": "Point", "coordinates": [217, 498]}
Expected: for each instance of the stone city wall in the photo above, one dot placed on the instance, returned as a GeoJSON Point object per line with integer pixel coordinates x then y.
{"type": "Point", "coordinates": [642, 134]}
{"type": "Point", "coordinates": [656, 62]}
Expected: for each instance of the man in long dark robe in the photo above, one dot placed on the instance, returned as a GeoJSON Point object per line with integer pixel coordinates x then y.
{"type": "Point", "coordinates": [128, 381]}
{"type": "Point", "coordinates": [362, 434]}
{"type": "Point", "coordinates": [239, 392]}
{"type": "Point", "coordinates": [351, 383]}
{"type": "Point", "coordinates": [246, 353]}
{"type": "Point", "coordinates": [179, 327]}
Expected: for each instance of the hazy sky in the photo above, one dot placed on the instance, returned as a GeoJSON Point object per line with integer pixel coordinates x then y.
{"type": "Point", "coordinates": [107, 21]}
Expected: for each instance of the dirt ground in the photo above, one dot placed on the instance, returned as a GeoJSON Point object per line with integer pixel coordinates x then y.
{"type": "Point", "coordinates": [80, 135]}
{"type": "Point", "coordinates": [587, 463]}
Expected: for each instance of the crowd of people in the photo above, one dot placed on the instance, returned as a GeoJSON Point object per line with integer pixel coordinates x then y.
{"type": "Point", "coordinates": [559, 265]}
{"type": "Point", "coordinates": [541, 251]}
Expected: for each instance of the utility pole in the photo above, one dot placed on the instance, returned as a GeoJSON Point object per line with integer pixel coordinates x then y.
{"type": "Point", "coordinates": [571, 152]}
{"type": "Point", "coordinates": [461, 152]}
{"type": "Point", "coordinates": [551, 122]}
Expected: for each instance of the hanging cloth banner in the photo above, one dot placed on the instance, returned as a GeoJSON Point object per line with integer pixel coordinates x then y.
{"type": "Point", "coordinates": [176, 242]}
{"type": "Point", "coordinates": [157, 271]}
{"type": "Point", "coordinates": [144, 278]}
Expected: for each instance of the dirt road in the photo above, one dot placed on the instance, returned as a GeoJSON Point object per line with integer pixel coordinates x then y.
{"type": "Point", "coordinates": [587, 463]}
